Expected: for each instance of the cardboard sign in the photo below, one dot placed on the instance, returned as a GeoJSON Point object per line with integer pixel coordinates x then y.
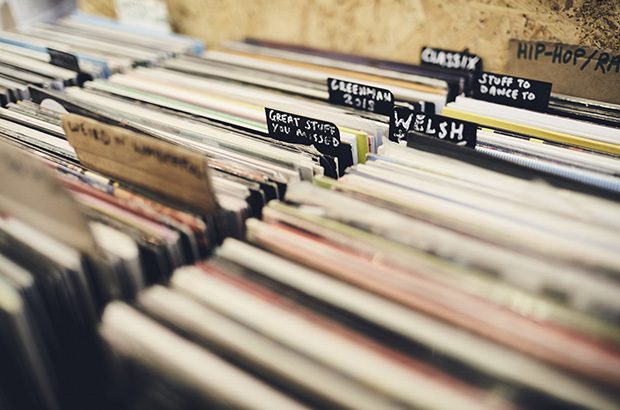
{"type": "Point", "coordinates": [170, 170]}
{"type": "Point", "coordinates": [577, 71]}
{"type": "Point", "coordinates": [150, 14]}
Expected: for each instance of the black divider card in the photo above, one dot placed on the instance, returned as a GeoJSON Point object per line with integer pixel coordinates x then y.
{"type": "Point", "coordinates": [64, 59]}
{"type": "Point", "coordinates": [513, 91]}
{"type": "Point", "coordinates": [296, 129]}
{"type": "Point", "coordinates": [360, 96]}
{"type": "Point", "coordinates": [448, 129]}
{"type": "Point", "coordinates": [400, 123]}
{"type": "Point", "coordinates": [456, 60]}
{"type": "Point", "coordinates": [323, 135]}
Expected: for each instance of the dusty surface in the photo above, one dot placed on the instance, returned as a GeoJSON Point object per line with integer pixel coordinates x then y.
{"type": "Point", "coordinates": [396, 29]}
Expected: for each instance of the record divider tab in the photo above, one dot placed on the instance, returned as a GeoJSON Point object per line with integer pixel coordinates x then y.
{"type": "Point", "coordinates": [172, 171]}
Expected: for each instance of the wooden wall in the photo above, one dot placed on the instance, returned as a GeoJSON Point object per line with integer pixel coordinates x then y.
{"type": "Point", "coordinates": [396, 29]}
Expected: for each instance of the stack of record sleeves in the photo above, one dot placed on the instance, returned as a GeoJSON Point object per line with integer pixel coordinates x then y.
{"type": "Point", "coordinates": [266, 226]}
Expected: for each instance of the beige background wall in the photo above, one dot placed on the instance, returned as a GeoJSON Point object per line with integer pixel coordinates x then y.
{"type": "Point", "coordinates": [396, 29]}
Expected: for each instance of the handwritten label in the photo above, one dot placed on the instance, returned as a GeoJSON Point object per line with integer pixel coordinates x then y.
{"type": "Point", "coordinates": [455, 60]}
{"type": "Point", "coordinates": [156, 165]}
{"type": "Point", "coordinates": [360, 96]}
{"type": "Point", "coordinates": [151, 14]}
{"type": "Point", "coordinates": [437, 126]}
{"type": "Point", "coordinates": [29, 192]}
{"type": "Point", "coordinates": [400, 123]}
{"type": "Point", "coordinates": [513, 91]}
{"type": "Point", "coordinates": [445, 128]}
{"type": "Point", "coordinates": [296, 129]}
{"type": "Point", "coordinates": [595, 60]}
{"type": "Point", "coordinates": [574, 70]}
{"type": "Point", "coordinates": [64, 59]}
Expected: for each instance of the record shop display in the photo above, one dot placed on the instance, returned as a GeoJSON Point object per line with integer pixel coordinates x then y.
{"type": "Point", "coordinates": [267, 226]}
